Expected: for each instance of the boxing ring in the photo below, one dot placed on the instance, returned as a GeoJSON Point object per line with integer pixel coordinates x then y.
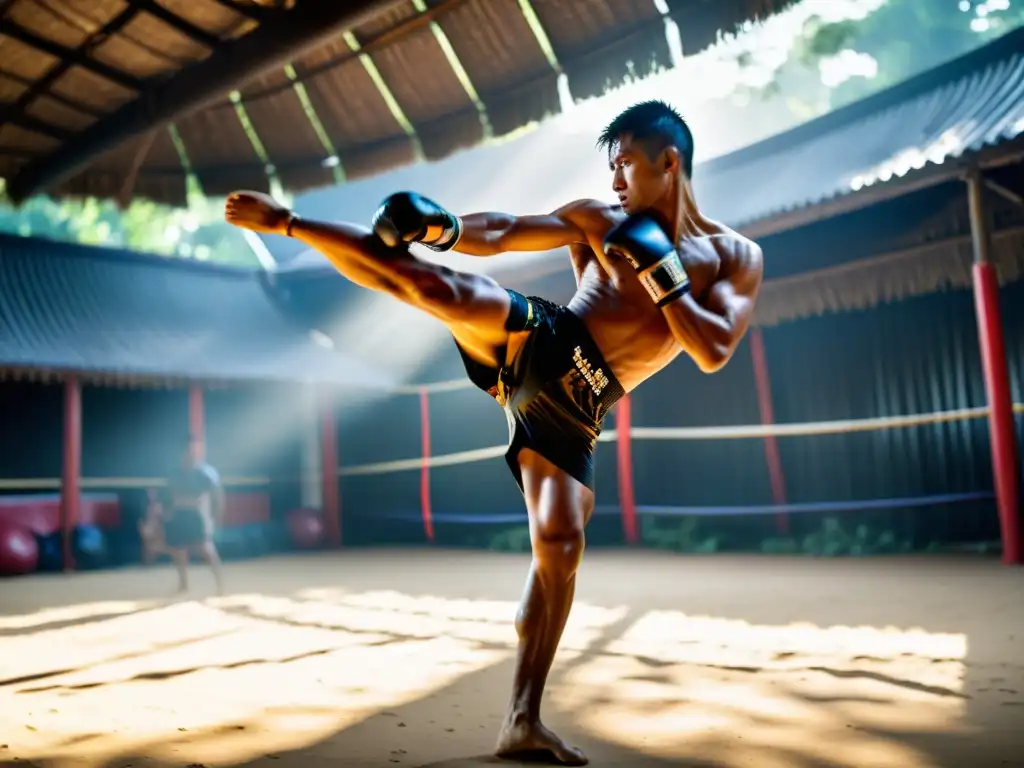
{"type": "Point", "coordinates": [622, 512]}
{"type": "Point", "coordinates": [383, 656]}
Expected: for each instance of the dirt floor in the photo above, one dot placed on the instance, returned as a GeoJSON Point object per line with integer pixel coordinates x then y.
{"type": "Point", "coordinates": [388, 658]}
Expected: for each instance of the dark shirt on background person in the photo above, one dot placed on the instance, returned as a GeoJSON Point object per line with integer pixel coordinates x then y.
{"type": "Point", "coordinates": [193, 505]}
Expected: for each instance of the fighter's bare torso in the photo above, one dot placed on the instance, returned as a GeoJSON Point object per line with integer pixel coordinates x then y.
{"type": "Point", "coordinates": [631, 332]}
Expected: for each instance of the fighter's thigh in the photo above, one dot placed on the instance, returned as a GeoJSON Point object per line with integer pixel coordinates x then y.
{"type": "Point", "coordinates": [475, 309]}
{"type": "Point", "coordinates": [559, 506]}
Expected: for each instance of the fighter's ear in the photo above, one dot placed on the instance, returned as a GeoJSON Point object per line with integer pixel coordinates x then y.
{"type": "Point", "coordinates": [672, 161]}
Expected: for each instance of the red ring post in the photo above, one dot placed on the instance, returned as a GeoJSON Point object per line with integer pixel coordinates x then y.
{"type": "Point", "coordinates": [329, 470]}
{"type": "Point", "coordinates": [428, 518]}
{"type": "Point", "coordinates": [1002, 430]}
{"type": "Point", "coordinates": [624, 451]}
{"type": "Point", "coordinates": [72, 468]}
{"type": "Point", "coordinates": [197, 421]}
{"type": "Point", "coordinates": [772, 457]}
{"type": "Point", "coordinates": [1000, 415]}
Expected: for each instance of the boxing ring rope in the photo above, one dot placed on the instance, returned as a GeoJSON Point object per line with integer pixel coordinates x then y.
{"type": "Point", "coordinates": [623, 433]}
{"type": "Point", "coordinates": [740, 432]}
{"type": "Point", "coordinates": [625, 430]}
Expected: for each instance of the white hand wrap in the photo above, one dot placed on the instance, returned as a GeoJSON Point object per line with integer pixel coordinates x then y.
{"type": "Point", "coordinates": [665, 280]}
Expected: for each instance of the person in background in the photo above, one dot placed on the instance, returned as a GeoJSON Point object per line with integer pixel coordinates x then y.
{"type": "Point", "coordinates": [193, 506]}
{"type": "Point", "coordinates": [151, 528]}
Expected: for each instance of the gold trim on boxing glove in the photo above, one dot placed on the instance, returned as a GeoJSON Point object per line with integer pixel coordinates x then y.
{"type": "Point", "coordinates": [448, 237]}
{"type": "Point", "coordinates": [459, 229]}
{"type": "Point", "coordinates": [293, 219]}
{"type": "Point", "coordinates": [665, 279]}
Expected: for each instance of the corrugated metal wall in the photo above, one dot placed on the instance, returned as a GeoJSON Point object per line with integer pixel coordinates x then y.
{"type": "Point", "coordinates": [915, 356]}
{"type": "Point", "coordinates": [138, 433]}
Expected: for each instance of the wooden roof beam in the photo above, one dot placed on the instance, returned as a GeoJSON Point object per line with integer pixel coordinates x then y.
{"type": "Point", "coordinates": [254, 12]}
{"type": "Point", "coordinates": [71, 56]}
{"type": "Point", "coordinates": [30, 123]}
{"type": "Point", "coordinates": [173, 20]}
{"type": "Point", "coordinates": [230, 66]}
{"type": "Point", "coordinates": [16, 112]}
{"type": "Point", "coordinates": [368, 46]}
{"type": "Point", "coordinates": [456, 64]}
{"type": "Point", "coordinates": [78, 106]}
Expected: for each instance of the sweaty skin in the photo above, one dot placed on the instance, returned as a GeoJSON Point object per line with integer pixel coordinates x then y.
{"type": "Point", "coordinates": [636, 339]}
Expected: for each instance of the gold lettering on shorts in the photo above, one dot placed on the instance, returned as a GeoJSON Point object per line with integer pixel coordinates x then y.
{"type": "Point", "coordinates": [596, 379]}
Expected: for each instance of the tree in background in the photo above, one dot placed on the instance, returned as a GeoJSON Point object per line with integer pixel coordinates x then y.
{"type": "Point", "coordinates": [197, 232]}
{"type": "Point", "coordinates": [825, 61]}
{"type": "Point", "coordinates": [851, 59]}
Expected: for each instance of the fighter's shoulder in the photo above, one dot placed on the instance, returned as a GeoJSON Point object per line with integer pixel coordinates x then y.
{"type": "Point", "coordinates": [738, 252]}
{"type": "Point", "coordinates": [589, 214]}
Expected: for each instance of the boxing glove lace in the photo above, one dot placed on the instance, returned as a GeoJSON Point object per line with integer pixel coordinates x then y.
{"type": "Point", "coordinates": [406, 217]}
{"type": "Point", "coordinates": [643, 243]}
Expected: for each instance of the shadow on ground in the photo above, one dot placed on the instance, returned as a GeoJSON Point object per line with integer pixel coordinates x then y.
{"type": "Point", "coordinates": [611, 698]}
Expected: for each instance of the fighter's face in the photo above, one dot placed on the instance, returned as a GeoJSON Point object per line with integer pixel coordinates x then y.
{"type": "Point", "coordinates": [637, 180]}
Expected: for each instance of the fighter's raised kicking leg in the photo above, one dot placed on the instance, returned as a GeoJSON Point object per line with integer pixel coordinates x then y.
{"type": "Point", "coordinates": [495, 329]}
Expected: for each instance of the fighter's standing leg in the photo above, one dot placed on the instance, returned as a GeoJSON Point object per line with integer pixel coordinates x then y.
{"type": "Point", "coordinates": [474, 307]}
{"type": "Point", "coordinates": [559, 507]}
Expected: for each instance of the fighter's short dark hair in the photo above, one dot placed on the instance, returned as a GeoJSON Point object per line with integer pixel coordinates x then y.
{"type": "Point", "coordinates": [656, 126]}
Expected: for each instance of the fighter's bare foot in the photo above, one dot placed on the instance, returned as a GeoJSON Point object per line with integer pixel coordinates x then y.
{"type": "Point", "coordinates": [520, 739]}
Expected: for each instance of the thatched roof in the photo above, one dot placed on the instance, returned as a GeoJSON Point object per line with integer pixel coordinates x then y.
{"type": "Point", "coordinates": [312, 91]}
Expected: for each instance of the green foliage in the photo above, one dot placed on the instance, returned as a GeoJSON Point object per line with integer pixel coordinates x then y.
{"type": "Point", "coordinates": [695, 535]}
{"type": "Point", "coordinates": [511, 540]}
{"type": "Point", "coordinates": [833, 540]}
{"type": "Point", "coordinates": [820, 40]}
{"type": "Point", "coordinates": [904, 37]}
{"type": "Point", "coordinates": [678, 535]}
{"type": "Point", "coordinates": [689, 535]}
{"type": "Point", "coordinates": [197, 232]}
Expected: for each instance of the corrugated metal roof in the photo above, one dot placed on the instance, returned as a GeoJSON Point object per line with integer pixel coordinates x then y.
{"type": "Point", "coordinates": [69, 307]}
{"type": "Point", "coordinates": [966, 105]}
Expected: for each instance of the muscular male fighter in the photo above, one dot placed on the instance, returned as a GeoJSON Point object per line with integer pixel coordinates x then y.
{"type": "Point", "coordinates": [654, 278]}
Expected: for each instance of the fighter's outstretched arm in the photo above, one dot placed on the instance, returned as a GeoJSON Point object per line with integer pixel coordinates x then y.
{"type": "Point", "coordinates": [408, 217]}
{"type": "Point", "coordinates": [488, 234]}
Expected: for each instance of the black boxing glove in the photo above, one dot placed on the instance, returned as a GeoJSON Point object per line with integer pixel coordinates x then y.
{"type": "Point", "coordinates": [644, 244]}
{"type": "Point", "coordinates": [406, 217]}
